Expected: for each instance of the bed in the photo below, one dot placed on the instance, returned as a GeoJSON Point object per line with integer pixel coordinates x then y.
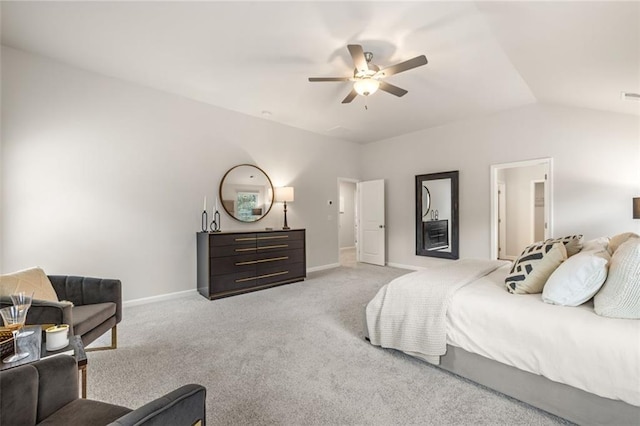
{"type": "Point", "coordinates": [565, 360]}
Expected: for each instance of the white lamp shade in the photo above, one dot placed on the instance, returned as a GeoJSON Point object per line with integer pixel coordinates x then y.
{"type": "Point", "coordinates": [284, 193]}
{"type": "Point", "coordinates": [366, 86]}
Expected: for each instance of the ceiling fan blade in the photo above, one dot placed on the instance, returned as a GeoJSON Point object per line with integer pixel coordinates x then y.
{"type": "Point", "coordinates": [358, 57]}
{"type": "Point", "coordinates": [404, 66]}
{"type": "Point", "coordinates": [352, 94]}
{"type": "Point", "coordinates": [390, 88]}
{"type": "Point", "coordinates": [328, 78]}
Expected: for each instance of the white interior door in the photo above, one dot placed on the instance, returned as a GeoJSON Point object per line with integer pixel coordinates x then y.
{"type": "Point", "coordinates": [371, 231]}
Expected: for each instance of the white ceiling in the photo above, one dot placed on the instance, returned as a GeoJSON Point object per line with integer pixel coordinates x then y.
{"type": "Point", "coordinates": [252, 57]}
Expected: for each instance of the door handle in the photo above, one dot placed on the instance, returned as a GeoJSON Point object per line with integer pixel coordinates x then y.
{"type": "Point", "coordinates": [381, 226]}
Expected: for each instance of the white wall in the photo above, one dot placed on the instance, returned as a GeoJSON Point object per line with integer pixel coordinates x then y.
{"type": "Point", "coordinates": [105, 178]}
{"type": "Point", "coordinates": [596, 158]}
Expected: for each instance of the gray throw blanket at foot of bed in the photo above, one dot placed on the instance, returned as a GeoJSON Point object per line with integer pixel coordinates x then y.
{"type": "Point", "coordinates": [409, 313]}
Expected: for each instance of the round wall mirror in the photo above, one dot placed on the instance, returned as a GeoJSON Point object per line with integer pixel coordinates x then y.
{"type": "Point", "coordinates": [246, 193]}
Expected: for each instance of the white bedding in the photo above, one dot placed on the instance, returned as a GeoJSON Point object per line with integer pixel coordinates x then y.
{"type": "Point", "coordinates": [570, 345]}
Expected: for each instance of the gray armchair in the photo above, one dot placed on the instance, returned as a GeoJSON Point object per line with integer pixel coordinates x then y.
{"type": "Point", "coordinates": [95, 308]}
{"type": "Point", "coordinates": [46, 392]}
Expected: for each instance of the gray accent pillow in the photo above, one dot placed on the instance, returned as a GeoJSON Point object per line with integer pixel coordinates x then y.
{"type": "Point", "coordinates": [619, 297]}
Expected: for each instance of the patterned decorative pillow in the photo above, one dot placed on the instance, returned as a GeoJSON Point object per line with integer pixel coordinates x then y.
{"type": "Point", "coordinates": [573, 243]}
{"type": "Point", "coordinates": [29, 280]}
{"type": "Point", "coordinates": [533, 267]}
{"type": "Point", "coordinates": [619, 297]}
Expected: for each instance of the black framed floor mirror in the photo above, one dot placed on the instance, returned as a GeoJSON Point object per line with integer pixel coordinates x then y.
{"type": "Point", "coordinates": [437, 215]}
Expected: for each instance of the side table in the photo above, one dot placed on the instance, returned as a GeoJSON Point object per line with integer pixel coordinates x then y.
{"type": "Point", "coordinates": [35, 345]}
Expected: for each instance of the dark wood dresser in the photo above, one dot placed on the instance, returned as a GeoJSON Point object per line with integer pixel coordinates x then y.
{"type": "Point", "coordinates": [231, 263]}
{"type": "Point", "coordinates": [436, 234]}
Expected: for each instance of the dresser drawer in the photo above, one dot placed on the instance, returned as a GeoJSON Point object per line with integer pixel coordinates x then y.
{"type": "Point", "coordinates": [239, 282]}
{"type": "Point", "coordinates": [253, 261]}
{"type": "Point", "coordinates": [232, 250]}
{"type": "Point", "coordinates": [269, 246]}
{"type": "Point", "coordinates": [231, 239]}
{"type": "Point", "coordinates": [272, 237]}
{"type": "Point", "coordinates": [233, 282]}
{"type": "Point", "coordinates": [278, 258]}
{"type": "Point", "coordinates": [282, 273]}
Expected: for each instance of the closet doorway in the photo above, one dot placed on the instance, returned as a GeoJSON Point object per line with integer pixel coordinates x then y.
{"type": "Point", "coordinates": [347, 222]}
{"type": "Point", "coordinates": [521, 206]}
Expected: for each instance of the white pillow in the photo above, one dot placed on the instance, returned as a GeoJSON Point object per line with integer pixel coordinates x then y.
{"type": "Point", "coordinates": [617, 240]}
{"type": "Point", "coordinates": [577, 279]}
{"type": "Point", "coordinates": [620, 294]}
{"type": "Point", "coordinates": [597, 244]}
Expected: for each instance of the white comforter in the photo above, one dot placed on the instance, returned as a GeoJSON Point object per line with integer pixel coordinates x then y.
{"type": "Point", "coordinates": [569, 345]}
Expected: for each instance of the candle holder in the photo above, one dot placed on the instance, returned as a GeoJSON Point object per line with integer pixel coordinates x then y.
{"type": "Point", "coordinates": [215, 223]}
{"type": "Point", "coordinates": [205, 220]}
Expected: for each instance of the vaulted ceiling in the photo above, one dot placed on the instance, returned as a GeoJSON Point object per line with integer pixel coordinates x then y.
{"type": "Point", "coordinates": [255, 57]}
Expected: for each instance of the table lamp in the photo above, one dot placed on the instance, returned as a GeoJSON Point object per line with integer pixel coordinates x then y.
{"type": "Point", "coordinates": [284, 194]}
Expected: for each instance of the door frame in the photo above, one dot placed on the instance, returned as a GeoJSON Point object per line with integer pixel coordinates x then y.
{"type": "Point", "coordinates": [502, 224]}
{"type": "Point", "coordinates": [548, 192]}
{"type": "Point", "coordinates": [533, 208]}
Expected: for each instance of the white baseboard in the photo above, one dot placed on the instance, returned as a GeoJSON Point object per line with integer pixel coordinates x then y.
{"type": "Point", "coordinates": [172, 296]}
{"type": "Point", "coordinates": [160, 298]}
{"type": "Point", "coordinates": [323, 267]}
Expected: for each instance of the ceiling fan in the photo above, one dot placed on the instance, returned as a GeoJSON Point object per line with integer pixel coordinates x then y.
{"type": "Point", "coordinates": [368, 78]}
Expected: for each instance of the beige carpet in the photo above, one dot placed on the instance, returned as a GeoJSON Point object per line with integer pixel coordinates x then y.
{"type": "Point", "coordinates": [290, 355]}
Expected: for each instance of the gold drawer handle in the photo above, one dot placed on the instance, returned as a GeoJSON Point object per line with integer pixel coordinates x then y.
{"type": "Point", "coordinates": [253, 262]}
{"type": "Point", "coordinates": [273, 238]}
{"type": "Point", "coordinates": [274, 246]}
{"type": "Point", "coordinates": [275, 274]}
{"type": "Point", "coordinates": [262, 248]}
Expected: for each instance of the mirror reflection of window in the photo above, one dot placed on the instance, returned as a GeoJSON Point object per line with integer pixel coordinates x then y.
{"type": "Point", "coordinates": [246, 202]}
{"type": "Point", "coordinates": [246, 193]}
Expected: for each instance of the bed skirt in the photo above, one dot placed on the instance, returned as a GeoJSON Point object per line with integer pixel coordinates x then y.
{"type": "Point", "coordinates": [564, 401]}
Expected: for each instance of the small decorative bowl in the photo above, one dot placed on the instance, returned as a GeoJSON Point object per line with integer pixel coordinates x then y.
{"type": "Point", "coordinates": [6, 342]}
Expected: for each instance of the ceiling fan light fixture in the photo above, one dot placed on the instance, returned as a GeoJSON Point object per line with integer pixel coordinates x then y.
{"type": "Point", "coordinates": [366, 86]}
